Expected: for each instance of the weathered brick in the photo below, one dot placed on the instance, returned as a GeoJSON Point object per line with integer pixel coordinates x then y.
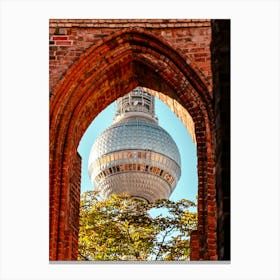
{"type": "Point", "coordinates": [63, 43]}
{"type": "Point", "coordinates": [55, 38]}
{"type": "Point", "coordinates": [97, 62]}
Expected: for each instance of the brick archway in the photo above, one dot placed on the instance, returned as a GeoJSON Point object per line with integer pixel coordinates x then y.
{"type": "Point", "coordinates": [107, 70]}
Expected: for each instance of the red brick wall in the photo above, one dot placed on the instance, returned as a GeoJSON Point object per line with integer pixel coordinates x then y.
{"type": "Point", "coordinates": [92, 63]}
{"type": "Point", "coordinates": [65, 247]}
{"type": "Point", "coordinates": [70, 38]}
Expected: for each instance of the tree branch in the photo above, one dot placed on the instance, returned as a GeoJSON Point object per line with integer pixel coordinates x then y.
{"type": "Point", "coordinates": [84, 257]}
{"type": "Point", "coordinates": [162, 242]}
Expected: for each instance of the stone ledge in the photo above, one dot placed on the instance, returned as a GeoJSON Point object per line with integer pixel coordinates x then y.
{"type": "Point", "coordinates": [118, 23]}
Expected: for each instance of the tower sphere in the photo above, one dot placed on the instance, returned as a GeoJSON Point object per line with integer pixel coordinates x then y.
{"type": "Point", "coordinates": [135, 155]}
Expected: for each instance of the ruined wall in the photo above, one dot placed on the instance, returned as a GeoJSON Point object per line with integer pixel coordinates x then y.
{"type": "Point", "coordinates": [92, 63]}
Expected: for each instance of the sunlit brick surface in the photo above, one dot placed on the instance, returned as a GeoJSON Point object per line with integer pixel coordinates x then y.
{"type": "Point", "coordinates": [93, 62]}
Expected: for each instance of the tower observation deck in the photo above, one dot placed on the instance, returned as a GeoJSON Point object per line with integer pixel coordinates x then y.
{"type": "Point", "coordinates": [135, 155]}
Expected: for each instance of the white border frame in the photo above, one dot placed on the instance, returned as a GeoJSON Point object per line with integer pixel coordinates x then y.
{"type": "Point", "coordinates": [255, 138]}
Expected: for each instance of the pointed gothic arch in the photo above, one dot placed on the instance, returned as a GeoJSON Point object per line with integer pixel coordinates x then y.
{"type": "Point", "coordinates": [107, 70]}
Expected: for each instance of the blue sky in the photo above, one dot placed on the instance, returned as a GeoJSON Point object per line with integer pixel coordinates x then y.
{"type": "Point", "coordinates": [187, 185]}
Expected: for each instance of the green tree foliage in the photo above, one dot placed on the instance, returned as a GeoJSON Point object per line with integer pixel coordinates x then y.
{"type": "Point", "coordinates": [124, 228]}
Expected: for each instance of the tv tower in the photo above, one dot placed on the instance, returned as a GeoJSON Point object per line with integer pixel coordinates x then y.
{"type": "Point", "coordinates": [135, 155]}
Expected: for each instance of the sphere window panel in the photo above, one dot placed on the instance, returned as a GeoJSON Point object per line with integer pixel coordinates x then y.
{"type": "Point", "coordinates": [148, 151]}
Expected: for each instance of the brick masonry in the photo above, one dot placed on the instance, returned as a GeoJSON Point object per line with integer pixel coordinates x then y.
{"type": "Point", "coordinates": [92, 63]}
